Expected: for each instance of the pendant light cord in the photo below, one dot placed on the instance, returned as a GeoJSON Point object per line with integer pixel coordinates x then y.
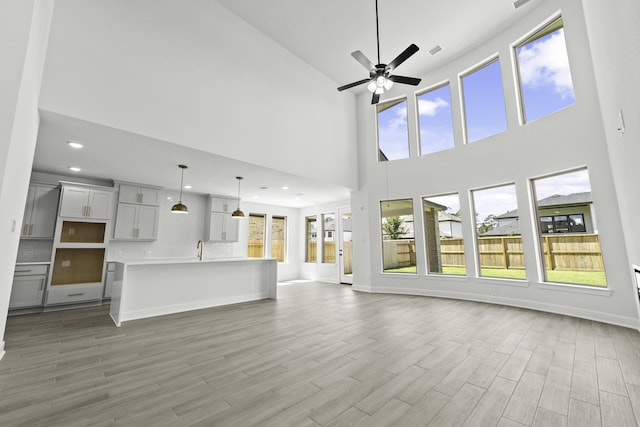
{"type": "Point", "coordinates": [181, 182]}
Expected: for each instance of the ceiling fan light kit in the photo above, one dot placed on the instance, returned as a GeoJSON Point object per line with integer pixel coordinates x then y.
{"type": "Point", "coordinates": [380, 77]}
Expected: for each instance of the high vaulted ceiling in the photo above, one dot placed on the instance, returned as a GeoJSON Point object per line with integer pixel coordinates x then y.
{"type": "Point", "coordinates": [321, 33]}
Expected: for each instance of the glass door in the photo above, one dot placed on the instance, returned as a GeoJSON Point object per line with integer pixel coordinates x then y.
{"type": "Point", "coordinates": [345, 242]}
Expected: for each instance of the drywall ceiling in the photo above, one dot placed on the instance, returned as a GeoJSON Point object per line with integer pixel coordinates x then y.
{"type": "Point", "coordinates": [323, 34]}
{"type": "Point", "coordinates": [113, 154]}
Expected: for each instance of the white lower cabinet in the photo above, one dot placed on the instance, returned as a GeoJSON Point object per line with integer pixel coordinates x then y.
{"type": "Point", "coordinates": [28, 286]}
{"type": "Point", "coordinates": [65, 294]}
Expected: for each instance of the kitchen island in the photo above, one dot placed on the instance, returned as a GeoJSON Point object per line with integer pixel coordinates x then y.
{"type": "Point", "coordinates": [155, 287]}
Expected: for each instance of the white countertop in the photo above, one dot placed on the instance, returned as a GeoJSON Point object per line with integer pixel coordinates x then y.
{"type": "Point", "coordinates": [157, 261]}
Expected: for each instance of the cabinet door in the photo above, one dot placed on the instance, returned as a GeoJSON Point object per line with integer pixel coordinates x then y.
{"type": "Point", "coordinates": [74, 202]}
{"type": "Point", "coordinates": [43, 217]}
{"type": "Point", "coordinates": [216, 226]}
{"type": "Point", "coordinates": [100, 204]}
{"type": "Point", "coordinates": [231, 228]}
{"type": "Point", "coordinates": [27, 291]}
{"type": "Point", "coordinates": [221, 205]}
{"type": "Point", "coordinates": [149, 196]}
{"type": "Point", "coordinates": [128, 194]}
{"type": "Point", "coordinates": [147, 222]}
{"type": "Point", "coordinates": [28, 209]}
{"type": "Point", "coordinates": [125, 223]}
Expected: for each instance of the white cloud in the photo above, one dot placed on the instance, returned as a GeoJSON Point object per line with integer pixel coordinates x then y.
{"type": "Point", "coordinates": [545, 63]}
{"type": "Point", "coordinates": [427, 107]}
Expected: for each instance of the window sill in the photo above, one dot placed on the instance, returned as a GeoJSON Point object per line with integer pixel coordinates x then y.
{"type": "Point", "coordinates": [581, 289]}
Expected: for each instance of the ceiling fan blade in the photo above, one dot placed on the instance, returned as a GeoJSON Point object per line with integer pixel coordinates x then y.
{"type": "Point", "coordinates": [359, 56]}
{"type": "Point", "coordinates": [375, 98]}
{"type": "Point", "coordinates": [405, 80]}
{"type": "Point", "coordinates": [403, 57]}
{"type": "Point", "coordinates": [350, 85]}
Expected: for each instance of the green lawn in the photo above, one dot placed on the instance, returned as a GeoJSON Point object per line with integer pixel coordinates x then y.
{"type": "Point", "coordinates": [592, 278]}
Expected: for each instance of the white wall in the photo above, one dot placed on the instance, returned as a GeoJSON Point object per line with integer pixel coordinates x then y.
{"type": "Point", "coordinates": [201, 77]}
{"type": "Point", "coordinates": [614, 37]}
{"type": "Point", "coordinates": [24, 26]}
{"type": "Point", "coordinates": [574, 135]}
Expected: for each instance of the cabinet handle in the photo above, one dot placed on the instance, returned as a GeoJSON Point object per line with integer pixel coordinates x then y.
{"type": "Point", "coordinates": [88, 210]}
{"type": "Point", "coordinates": [41, 284]}
{"type": "Point", "coordinates": [26, 228]}
{"type": "Point", "coordinates": [76, 295]}
{"type": "Point", "coordinates": [140, 197]}
{"type": "Point", "coordinates": [136, 232]}
{"type": "Point", "coordinates": [30, 229]}
{"type": "Point", "coordinates": [23, 271]}
{"type": "Point", "coordinates": [84, 211]}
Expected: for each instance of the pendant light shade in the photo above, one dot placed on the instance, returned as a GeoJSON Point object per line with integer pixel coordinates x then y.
{"type": "Point", "coordinates": [179, 208]}
{"type": "Point", "coordinates": [238, 213]}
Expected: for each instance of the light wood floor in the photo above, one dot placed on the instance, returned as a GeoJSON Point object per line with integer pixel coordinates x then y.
{"type": "Point", "coordinates": [321, 355]}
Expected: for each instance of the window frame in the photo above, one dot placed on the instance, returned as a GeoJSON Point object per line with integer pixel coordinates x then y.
{"type": "Point", "coordinates": [284, 240]}
{"type": "Point", "coordinates": [380, 155]}
{"type": "Point", "coordinates": [432, 88]}
{"type": "Point", "coordinates": [307, 234]}
{"type": "Point", "coordinates": [463, 110]}
{"type": "Point", "coordinates": [545, 28]}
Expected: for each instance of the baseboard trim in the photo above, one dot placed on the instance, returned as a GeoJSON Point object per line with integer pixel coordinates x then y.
{"type": "Point", "coordinates": [626, 322]}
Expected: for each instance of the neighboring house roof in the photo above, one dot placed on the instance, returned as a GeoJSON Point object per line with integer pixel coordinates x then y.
{"type": "Point", "coordinates": [511, 229]}
{"type": "Point", "coordinates": [557, 200]}
{"type": "Point", "coordinates": [444, 216]}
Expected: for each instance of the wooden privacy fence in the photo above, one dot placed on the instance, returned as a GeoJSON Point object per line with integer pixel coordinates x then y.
{"type": "Point", "coordinates": [577, 252]}
{"type": "Point", "coordinates": [256, 249]}
{"type": "Point", "coordinates": [398, 253]}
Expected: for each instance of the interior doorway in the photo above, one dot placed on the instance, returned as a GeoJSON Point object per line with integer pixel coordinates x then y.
{"type": "Point", "coordinates": [345, 246]}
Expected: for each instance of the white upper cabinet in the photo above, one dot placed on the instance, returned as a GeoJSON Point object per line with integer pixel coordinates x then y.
{"type": "Point", "coordinates": [40, 212]}
{"type": "Point", "coordinates": [136, 222]}
{"type": "Point", "coordinates": [219, 225]}
{"type": "Point", "coordinates": [85, 202]}
{"type": "Point", "coordinates": [137, 213]}
{"type": "Point", "coordinates": [139, 194]}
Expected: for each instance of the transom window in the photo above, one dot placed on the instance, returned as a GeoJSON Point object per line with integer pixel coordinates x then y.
{"type": "Point", "coordinates": [543, 72]}
{"type": "Point", "coordinates": [393, 132]}
{"type": "Point", "coordinates": [484, 109]}
{"type": "Point", "coordinates": [435, 119]}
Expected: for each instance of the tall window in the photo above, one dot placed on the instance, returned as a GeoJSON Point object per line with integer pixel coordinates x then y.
{"type": "Point", "coordinates": [393, 132]}
{"type": "Point", "coordinates": [279, 237]}
{"type": "Point", "coordinates": [443, 235]}
{"type": "Point", "coordinates": [398, 242]}
{"type": "Point", "coordinates": [568, 232]}
{"type": "Point", "coordinates": [484, 109]}
{"type": "Point", "coordinates": [329, 238]}
{"type": "Point", "coordinates": [256, 236]}
{"type": "Point", "coordinates": [543, 72]}
{"type": "Point", "coordinates": [498, 238]}
{"type": "Point", "coordinates": [435, 119]}
{"type": "Point", "coordinates": [311, 226]}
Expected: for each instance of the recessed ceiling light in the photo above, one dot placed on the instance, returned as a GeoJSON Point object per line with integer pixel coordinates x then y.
{"type": "Point", "coordinates": [255, 197]}
{"type": "Point", "coordinates": [75, 144]}
{"type": "Point", "coordinates": [518, 3]}
{"type": "Point", "coordinates": [188, 187]}
{"type": "Point", "coordinates": [284, 187]}
{"type": "Point", "coordinates": [74, 169]}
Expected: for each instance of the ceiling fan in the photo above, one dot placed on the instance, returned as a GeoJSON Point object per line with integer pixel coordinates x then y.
{"type": "Point", "coordinates": [380, 77]}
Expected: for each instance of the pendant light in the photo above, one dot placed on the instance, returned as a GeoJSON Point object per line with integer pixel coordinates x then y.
{"type": "Point", "coordinates": [179, 208]}
{"type": "Point", "coordinates": [238, 213]}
